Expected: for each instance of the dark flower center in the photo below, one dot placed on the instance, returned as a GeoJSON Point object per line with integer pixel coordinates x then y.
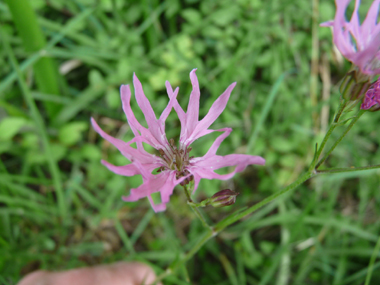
{"type": "Point", "coordinates": [177, 159]}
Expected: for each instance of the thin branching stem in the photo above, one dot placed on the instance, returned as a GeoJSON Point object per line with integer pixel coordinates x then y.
{"type": "Point", "coordinates": [195, 208]}
{"type": "Point", "coordinates": [213, 231]}
{"type": "Point", "coordinates": [332, 127]}
{"type": "Point", "coordinates": [350, 169]}
{"type": "Point", "coordinates": [352, 123]}
{"type": "Point", "coordinates": [228, 221]}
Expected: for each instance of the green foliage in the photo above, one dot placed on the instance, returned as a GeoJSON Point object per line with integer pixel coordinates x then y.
{"type": "Point", "coordinates": [323, 233]}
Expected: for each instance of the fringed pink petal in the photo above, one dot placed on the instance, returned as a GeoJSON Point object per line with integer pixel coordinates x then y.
{"type": "Point", "coordinates": [125, 148]}
{"type": "Point", "coordinates": [136, 127]}
{"type": "Point", "coordinates": [172, 98]}
{"type": "Point", "coordinates": [370, 25]}
{"type": "Point", "coordinates": [205, 168]}
{"type": "Point", "coordinates": [143, 102]}
{"type": "Point", "coordinates": [359, 43]}
{"type": "Point", "coordinates": [163, 182]}
{"type": "Point", "coordinates": [216, 109]}
{"type": "Point", "coordinates": [125, 170]}
{"type": "Point", "coordinates": [178, 109]}
{"type": "Point", "coordinates": [156, 207]}
{"type": "Point", "coordinates": [193, 107]}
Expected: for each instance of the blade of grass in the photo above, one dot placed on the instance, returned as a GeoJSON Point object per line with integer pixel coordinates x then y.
{"type": "Point", "coordinates": [342, 265]}
{"type": "Point", "coordinates": [31, 205]}
{"type": "Point", "coordinates": [34, 216]}
{"type": "Point", "coordinates": [240, 265]}
{"type": "Point", "coordinates": [264, 113]}
{"type": "Point", "coordinates": [51, 98]}
{"type": "Point", "coordinates": [229, 269]}
{"type": "Point", "coordinates": [124, 237]}
{"type": "Point", "coordinates": [53, 167]}
{"type": "Point", "coordinates": [371, 262]}
{"type": "Point", "coordinates": [45, 69]}
{"type": "Point", "coordinates": [81, 102]}
{"type": "Point", "coordinates": [25, 192]}
{"type": "Point", "coordinates": [141, 226]}
{"type": "Point", "coordinates": [284, 271]}
{"type": "Point", "coordinates": [342, 225]}
{"type": "Point", "coordinates": [87, 196]}
{"type": "Point", "coordinates": [32, 59]}
{"type": "Point", "coordinates": [83, 56]}
{"type": "Point", "coordinates": [360, 274]}
{"type": "Point", "coordinates": [84, 40]}
{"type": "Point", "coordinates": [24, 179]}
{"type": "Point", "coordinates": [270, 272]}
{"type": "Point", "coordinates": [158, 255]}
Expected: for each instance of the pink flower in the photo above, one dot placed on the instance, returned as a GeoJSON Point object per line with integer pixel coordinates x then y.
{"type": "Point", "coordinates": [174, 166]}
{"type": "Point", "coordinates": [359, 43]}
{"type": "Point", "coordinates": [371, 100]}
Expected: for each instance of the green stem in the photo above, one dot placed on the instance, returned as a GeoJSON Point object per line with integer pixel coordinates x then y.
{"type": "Point", "coordinates": [207, 236]}
{"type": "Point", "coordinates": [200, 216]}
{"type": "Point", "coordinates": [339, 170]}
{"type": "Point", "coordinates": [309, 174]}
{"type": "Point", "coordinates": [228, 221]}
{"type": "Point", "coordinates": [40, 126]}
{"type": "Point", "coordinates": [195, 209]}
{"type": "Point", "coordinates": [45, 70]}
{"type": "Point", "coordinates": [332, 127]}
{"type": "Point", "coordinates": [353, 121]}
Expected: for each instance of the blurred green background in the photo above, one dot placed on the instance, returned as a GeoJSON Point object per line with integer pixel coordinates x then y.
{"type": "Point", "coordinates": [60, 208]}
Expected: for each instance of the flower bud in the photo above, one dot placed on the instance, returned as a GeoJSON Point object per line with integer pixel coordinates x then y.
{"type": "Point", "coordinates": [371, 101]}
{"type": "Point", "coordinates": [354, 85]}
{"type": "Point", "coordinates": [223, 198]}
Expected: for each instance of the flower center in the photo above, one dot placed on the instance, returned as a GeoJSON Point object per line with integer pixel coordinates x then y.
{"type": "Point", "coordinates": [176, 159]}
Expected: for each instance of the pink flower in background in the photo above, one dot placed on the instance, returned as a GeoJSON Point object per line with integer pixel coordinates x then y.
{"type": "Point", "coordinates": [174, 165]}
{"type": "Point", "coordinates": [359, 43]}
{"type": "Point", "coordinates": [371, 99]}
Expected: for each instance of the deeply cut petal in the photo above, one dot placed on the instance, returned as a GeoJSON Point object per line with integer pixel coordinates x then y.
{"type": "Point", "coordinates": [154, 135]}
{"type": "Point", "coordinates": [163, 182]}
{"type": "Point", "coordinates": [204, 167]}
{"type": "Point", "coordinates": [130, 169]}
{"type": "Point", "coordinates": [125, 148]}
{"type": "Point", "coordinates": [216, 109]}
{"type": "Point", "coordinates": [191, 128]}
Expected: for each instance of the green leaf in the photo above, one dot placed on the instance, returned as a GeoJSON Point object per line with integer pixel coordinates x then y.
{"type": "Point", "coordinates": [192, 16]}
{"type": "Point", "coordinates": [71, 133]}
{"type": "Point", "coordinates": [113, 98]}
{"type": "Point", "coordinates": [91, 152]}
{"type": "Point", "coordinates": [10, 126]}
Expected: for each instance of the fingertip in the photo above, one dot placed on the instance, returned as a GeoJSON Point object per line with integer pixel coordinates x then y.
{"type": "Point", "coordinates": [34, 278]}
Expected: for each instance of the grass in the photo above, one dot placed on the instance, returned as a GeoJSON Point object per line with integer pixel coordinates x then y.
{"type": "Point", "coordinates": [61, 209]}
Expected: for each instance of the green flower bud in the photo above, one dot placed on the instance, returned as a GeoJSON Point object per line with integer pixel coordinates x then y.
{"type": "Point", "coordinates": [354, 85]}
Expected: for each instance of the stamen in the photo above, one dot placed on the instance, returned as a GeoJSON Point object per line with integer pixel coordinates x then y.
{"type": "Point", "coordinates": [176, 158]}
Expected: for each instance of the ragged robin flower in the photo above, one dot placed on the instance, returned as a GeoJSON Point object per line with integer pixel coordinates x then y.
{"type": "Point", "coordinates": [173, 164]}
{"type": "Point", "coordinates": [358, 42]}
